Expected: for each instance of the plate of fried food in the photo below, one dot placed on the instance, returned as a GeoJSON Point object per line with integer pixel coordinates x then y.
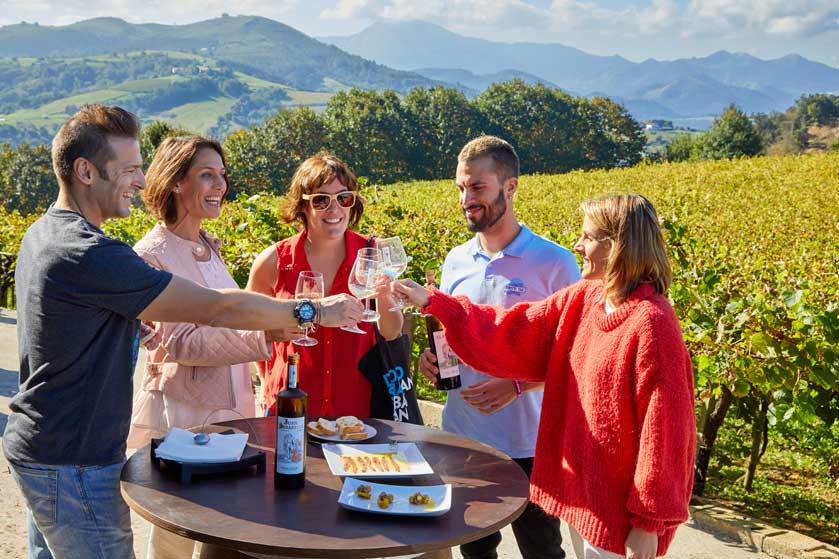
{"type": "Point", "coordinates": [376, 460]}
{"type": "Point", "coordinates": [346, 428]}
{"type": "Point", "coordinates": [366, 496]}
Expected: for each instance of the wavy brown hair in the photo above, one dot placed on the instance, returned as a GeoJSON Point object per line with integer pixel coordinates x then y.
{"type": "Point", "coordinates": [169, 166]}
{"type": "Point", "coordinates": [638, 253]}
{"type": "Point", "coordinates": [313, 173]}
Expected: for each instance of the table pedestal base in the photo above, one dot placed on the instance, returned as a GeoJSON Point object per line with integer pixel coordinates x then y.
{"type": "Point", "coordinates": [209, 551]}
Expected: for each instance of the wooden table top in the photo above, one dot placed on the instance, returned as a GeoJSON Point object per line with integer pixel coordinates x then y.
{"type": "Point", "coordinates": [243, 511]}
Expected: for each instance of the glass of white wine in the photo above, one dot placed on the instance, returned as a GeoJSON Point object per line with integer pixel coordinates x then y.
{"type": "Point", "coordinates": [370, 275]}
{"type": "Point", "coordinates": [362, 284]}
{"type": "Point", "coordinates": [394, 262]}
{"type": "Point", "coordinates": [309, 286]}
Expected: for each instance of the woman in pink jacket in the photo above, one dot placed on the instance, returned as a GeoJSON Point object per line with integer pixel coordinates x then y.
{"type": "Point", "coordinates": [615, 449]}
{"type": "Point", "coordinates": [194, 372]}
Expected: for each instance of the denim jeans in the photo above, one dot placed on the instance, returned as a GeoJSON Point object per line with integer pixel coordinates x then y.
{"type": "Point", "coordinates": [537, 533]}
{"type": "Point", "coordinates": [75, 512]}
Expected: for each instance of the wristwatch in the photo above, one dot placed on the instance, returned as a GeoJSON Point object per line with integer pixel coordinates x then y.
{"type": "Point", "coordinates": [304, 312]}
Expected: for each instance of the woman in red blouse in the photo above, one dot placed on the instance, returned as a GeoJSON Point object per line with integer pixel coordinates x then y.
{"type": "Point", "coordinates": [329, 370]}
{"type": "Point", "coordinates": [615, 450]}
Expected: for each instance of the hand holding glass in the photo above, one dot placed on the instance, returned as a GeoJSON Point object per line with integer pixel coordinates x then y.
{"type": "Point", "coordinates": [394, 263]}
{"type": "Point", "coordinates": [362, 284]}
{"type": "Point", "coordinates": [309, 286]}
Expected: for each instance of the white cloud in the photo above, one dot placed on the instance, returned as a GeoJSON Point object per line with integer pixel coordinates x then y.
{"type": "Point", "coordinates": [455, 14]}
{"type": "Point", "coordinates": [790, 18]}
{"type": "Point", "coordinates": [631, 21]}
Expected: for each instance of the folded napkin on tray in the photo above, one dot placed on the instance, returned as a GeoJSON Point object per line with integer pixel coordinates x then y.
{"type": "Point", "coordinates": [180, 446]}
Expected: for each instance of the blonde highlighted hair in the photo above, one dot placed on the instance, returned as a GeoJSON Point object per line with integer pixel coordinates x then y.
{"type": "Point", "coordinates": [638, 253]}
{"type": "Point", "coordinates": [169, 166]}
{"type": "Point", "coordinates": [312, 174]}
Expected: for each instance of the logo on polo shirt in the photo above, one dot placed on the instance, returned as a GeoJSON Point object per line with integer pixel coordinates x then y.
{"type": "Point", "coordinates": [515, 287]}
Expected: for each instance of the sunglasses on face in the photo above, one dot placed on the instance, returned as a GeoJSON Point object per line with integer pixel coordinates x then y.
{"type": "Point", "coordinates": [320, 201]}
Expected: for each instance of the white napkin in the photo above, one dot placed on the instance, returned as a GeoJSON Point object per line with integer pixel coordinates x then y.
{"type": "Point", "coordinates": [180, 446]}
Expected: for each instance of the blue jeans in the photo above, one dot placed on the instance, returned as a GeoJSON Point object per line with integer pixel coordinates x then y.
{"type": "Point", "coordinates": [75, 512]}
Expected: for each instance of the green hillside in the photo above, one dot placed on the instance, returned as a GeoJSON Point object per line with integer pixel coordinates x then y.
{"type": "Point", "coordinates": [216, 75]}
{"type": "Point", "coordinates": [192, 90]}
{"type": "Point", "coordinates": [256, 45]}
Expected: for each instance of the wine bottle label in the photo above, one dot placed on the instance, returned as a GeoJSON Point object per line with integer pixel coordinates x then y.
{"type": "Point", "coordinates": [292, 375]}
{"type": "Point", "coordinates": [447, 360]}
{"type": "Point", "coordinates": [290, 440]}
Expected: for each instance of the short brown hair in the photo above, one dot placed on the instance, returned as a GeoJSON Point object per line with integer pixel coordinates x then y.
{"type": "Point", "coordinates": [638, 254]}
{"type": "Point", "coordinates": [86, 134]}
{"type": "Point", "coordinates": [313, 173]}
{"type": "Point", "coordinates": [170, 164]}
{"type": "Point", "coordinates": [503, 155]}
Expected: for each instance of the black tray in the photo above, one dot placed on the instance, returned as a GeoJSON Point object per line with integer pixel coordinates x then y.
{"type": "Point", "coordinates": [185, 471]}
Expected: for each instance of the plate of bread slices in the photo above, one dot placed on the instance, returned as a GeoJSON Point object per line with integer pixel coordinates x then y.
{"type": "Point", "coordinates": [345, 428]}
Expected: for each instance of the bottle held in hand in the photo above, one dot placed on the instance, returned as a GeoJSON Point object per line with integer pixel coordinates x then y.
{"type": "Point", "coordinates": [448, 363]}
{"type": "Point", "coordinates": [290, 450]}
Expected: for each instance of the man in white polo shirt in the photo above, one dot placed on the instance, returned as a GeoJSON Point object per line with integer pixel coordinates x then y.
{"type": "Point", "coordinates": [503, 264]}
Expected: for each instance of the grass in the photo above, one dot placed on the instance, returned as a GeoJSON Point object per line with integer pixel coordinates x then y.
{"type": "Point", "coordinates": [310, 98]}
{"type": "Point", "coordinates": [198, 116]}
{"type": "Point", "coordinates": [792, 488]}
{"type": "Point", "coordinates": [149, 84]}
{"type": "Point", "coordinates": [256, 83]}
{"type": "Point", "coordinates": [54, 112]}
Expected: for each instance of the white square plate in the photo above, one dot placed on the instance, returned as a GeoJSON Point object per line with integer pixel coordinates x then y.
{"type": "Point", "coordinates": [441, 498]}
{"type": "Point", "coordinates": [365, 460]}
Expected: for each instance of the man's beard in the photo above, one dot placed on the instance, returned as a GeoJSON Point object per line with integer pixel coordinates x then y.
{"type": "Point", "coordinates": [492, 214]}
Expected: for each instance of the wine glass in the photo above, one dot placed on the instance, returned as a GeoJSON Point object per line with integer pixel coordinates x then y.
{"type": "Point", "coordinates": [370, 276]}
{"type": "Point", "coordinates": [309, 286]}
{"type": "Point", "coordinates": [394, 262]}
{"type": "Point", "coordinates": [361, 283]}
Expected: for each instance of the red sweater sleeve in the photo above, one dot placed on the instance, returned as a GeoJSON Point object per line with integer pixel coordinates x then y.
{"type": "Point", "coordinates": [513, 343]}
{"type": "Point", "coordinates": [663, 477]}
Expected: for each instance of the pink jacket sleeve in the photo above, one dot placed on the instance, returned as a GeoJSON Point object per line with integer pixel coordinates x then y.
{"type": "Point", "coordinates": [512, 343]}
{"type": "Point", "coordinates": [663, 478]}
{"type": "Point", "coordinates": [205, 346]}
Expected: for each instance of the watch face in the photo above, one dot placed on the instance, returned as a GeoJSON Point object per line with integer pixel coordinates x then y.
{"type": "Point", "coordinates": [306, 311]}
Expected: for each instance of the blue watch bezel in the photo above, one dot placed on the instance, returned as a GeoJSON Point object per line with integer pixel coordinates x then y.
{"type": "Point", "coordinates": [305, 312]}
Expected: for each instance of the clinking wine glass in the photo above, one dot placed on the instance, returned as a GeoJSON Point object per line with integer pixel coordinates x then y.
{"type": "Point", "coordinates": [362, 284]}
{"type": "Point", "coordinates": [309, 286]}
{"type": "Point", "coordinates": [369, 275]}
{"type": "Point", "coordinates": [394, 262]}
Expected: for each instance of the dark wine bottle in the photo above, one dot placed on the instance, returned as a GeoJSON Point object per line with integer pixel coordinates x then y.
{"type": "Point", "coordinates": [290, 450]}
{"type": "Point", "coordinates": [448, 364]}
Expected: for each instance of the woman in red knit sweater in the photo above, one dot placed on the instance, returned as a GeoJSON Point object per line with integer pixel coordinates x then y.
{"type": "Point", "coordinates": [614, 455]}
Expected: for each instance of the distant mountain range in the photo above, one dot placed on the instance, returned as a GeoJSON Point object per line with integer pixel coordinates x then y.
{"type": "Point", "coordinates": [679, 88]}
{"type": "Point", "coordinates": [263, 47]}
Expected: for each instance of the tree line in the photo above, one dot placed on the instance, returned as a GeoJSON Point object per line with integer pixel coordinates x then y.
{"type": "Point", "coordinates": [388, 138]}
{"type": "Point", "coordinates": [735, 134]}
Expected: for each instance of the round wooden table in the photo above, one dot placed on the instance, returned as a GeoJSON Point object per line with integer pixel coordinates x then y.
{"type": "Point", "coordinates": [243, 512]}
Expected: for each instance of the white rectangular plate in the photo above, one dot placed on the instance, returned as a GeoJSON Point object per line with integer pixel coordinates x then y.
{"type": "Point", "coordinates": [407, 456]}
{"type": "Point", "coordinates": [441, 496]}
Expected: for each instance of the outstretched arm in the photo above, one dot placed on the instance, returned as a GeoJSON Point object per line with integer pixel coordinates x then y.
{"type": "Point", "coordinates": [511, 343]}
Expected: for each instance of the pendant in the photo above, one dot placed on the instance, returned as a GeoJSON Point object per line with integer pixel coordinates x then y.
{"type": "Point", "coordinates": [198, 250]}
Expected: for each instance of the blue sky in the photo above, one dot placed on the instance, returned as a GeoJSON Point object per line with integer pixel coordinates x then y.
{"type": "Point", "coordinates": [662, 29]}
